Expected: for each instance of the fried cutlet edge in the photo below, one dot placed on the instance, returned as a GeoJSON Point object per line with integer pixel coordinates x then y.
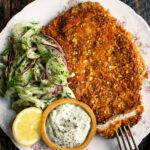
{"type": "Point", "coordinates": [108, 129]}
{"type": "Point", "coordinates": [56, 26]}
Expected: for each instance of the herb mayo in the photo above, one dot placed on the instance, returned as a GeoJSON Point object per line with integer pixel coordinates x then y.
{"type": "Point", "coordinates": [68, 125]}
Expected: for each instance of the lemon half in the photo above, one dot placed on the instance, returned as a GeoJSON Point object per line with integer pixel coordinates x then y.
{"type": "Point", "coordinates": [27, 126]}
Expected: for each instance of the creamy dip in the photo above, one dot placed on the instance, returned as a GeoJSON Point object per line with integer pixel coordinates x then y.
{"type": "Point", "coordinates": [68, 125]}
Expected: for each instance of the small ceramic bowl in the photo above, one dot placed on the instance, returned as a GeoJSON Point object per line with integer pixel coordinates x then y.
{"type": "Point", "coordinates": [77, 103]}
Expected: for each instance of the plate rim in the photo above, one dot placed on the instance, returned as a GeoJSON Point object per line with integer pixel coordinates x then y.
{"type": "Point", "coordinates": [31, 4]}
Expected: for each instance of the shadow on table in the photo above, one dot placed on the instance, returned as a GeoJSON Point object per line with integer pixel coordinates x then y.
{"type": "Point", "coordinates": [5, 142]}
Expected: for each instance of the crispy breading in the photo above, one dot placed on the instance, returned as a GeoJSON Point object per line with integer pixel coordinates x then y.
{"type": "Point", "coordinates": [108, 66]}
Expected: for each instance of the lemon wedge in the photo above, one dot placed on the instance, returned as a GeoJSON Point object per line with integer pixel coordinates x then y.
{"type": "Point", "coordinates": [27, 126]}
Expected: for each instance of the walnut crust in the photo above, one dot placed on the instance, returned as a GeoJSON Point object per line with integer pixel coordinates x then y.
{"type": "Point", "coordinates": [108, 66]}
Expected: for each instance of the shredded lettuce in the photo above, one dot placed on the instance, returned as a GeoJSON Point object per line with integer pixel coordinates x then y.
{"type": "Point", "coordinates": [33, 71]}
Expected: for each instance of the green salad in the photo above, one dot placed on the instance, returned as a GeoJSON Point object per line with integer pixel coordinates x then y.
{"type": "Point", "coordinates": [33, 69]}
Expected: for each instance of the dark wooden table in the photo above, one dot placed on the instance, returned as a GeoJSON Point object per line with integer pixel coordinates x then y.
{"type": "Point", "coordinates": [8, 8]}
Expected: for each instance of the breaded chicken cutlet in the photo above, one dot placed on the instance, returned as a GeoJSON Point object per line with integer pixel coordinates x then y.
{"type": "Point", "coordinates": [108, 66]}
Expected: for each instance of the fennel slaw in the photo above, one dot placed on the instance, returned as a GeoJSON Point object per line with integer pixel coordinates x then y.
{"type": "Point", "coordinates": [33, 69]}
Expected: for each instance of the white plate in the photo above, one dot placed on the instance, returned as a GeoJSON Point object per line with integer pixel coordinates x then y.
{"type": "Point", "coordinates": [44, 11]}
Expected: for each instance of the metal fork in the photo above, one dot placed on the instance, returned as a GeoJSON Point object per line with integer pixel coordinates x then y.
{"type": "Point", "coordinates": [129, 139]}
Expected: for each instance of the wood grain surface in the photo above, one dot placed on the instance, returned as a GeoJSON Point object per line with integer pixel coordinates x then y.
{"type": "Point", "coordinates": [8, 8]}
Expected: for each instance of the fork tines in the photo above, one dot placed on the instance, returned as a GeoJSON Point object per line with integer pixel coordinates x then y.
{"type": "Point", "coordinates": [125, 137]}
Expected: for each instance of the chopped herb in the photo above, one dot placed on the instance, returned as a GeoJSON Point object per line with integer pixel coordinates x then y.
{"type": "Point", "coordinates": [74, 118]}
{"type": "Point", "coordinates": [5, 52]}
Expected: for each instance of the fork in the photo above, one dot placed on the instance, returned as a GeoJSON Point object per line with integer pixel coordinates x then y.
{"type": "Point", "coordinates": [129, 139]}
